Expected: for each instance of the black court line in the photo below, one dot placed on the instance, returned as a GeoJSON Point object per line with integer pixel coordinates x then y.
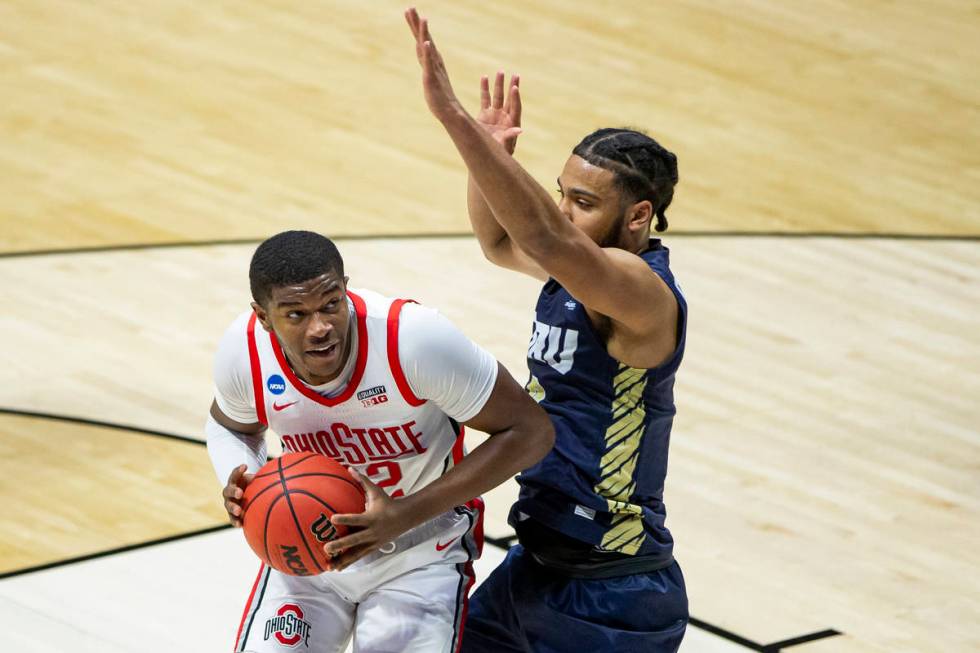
{"type": "Point", "coordinates": [802, 639]}
{"type": "Point", "coordinates": [110, 552]}
{"type": "Point", "coordinates": [845, 235]}
{"type": "Point", "coordinates": [839, 235]}
{"type": "Point", "coordinates": [95, 422]}
{"type": "Point", "coordinates": [502, 543]}
{"type": "Point", "coordinates": [98, 249]}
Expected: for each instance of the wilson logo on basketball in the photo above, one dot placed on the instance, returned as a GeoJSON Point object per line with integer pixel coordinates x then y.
{"type": "Point", "coordinates": [288, 626]}
{"type": "Point", "coordinates": [322, 529]}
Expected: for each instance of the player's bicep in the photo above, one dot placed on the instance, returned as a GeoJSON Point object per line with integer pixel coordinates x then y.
{"type": "Point", "coordinates": [508, 255]}
{"type": "Point", "coordinates": [233, 393]}
{"type": "Point", "coordinates": [510, 408]}
{"type": "Point", "coordinates": [442, 365]}
{"type": "Point", "coordinates": [220, 417]}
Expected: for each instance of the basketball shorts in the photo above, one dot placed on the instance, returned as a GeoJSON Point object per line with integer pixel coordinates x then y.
{"type": "Point", "coordinates": [525, 607]}
{"type": "Point", "coordinates": [411, 598]}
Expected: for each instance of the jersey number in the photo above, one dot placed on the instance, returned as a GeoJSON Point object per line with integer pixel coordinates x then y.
{"type": "Point", "coordinates": [392, 475]}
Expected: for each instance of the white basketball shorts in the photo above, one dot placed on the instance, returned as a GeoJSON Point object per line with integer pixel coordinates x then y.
{"type": "Point", "coordinates": [411, 599]}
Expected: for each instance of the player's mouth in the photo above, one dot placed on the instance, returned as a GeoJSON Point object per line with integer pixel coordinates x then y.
{"type": "Point", "coordinates": [324, 353]}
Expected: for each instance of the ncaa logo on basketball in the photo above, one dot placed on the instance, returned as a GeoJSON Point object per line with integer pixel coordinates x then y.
{"type": "Point", "coordinates": [276, 384]}
{"type": "Point", "coordinates": [288, 626]}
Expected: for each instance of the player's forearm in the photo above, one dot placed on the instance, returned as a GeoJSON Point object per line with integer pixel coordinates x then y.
{"type": "Point", "coordinates": [501, 457]}
{"type": "Point", "coordinates": [487, 230]}
{"type": "Point", "coordinates": [518, 204]}
{"type": "Point", "coordinates": [228, 449]}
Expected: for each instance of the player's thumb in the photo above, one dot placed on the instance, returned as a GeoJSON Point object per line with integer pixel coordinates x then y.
{"type": "Point", "coordinates": [370, 489]}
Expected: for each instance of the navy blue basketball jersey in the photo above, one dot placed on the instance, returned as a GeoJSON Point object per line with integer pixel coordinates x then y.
{"type": "Point", "coordinates": [603, 482]}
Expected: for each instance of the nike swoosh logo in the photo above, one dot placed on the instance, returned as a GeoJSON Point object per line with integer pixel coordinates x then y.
{"type": "Point", "coordinates": [442, 547]}
{"type": "Point", "coordinates": [276, 407]}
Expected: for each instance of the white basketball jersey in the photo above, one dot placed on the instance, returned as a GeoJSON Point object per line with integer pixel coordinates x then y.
{"type": "Point", "coordinates": [375, 424]}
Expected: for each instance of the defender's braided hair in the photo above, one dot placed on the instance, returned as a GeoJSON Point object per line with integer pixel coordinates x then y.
{"type": "Point", "coordinates": [642, 168]}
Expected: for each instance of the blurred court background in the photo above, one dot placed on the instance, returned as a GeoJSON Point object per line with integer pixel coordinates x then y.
{"type": "Point", "coordinates": [824, 487]}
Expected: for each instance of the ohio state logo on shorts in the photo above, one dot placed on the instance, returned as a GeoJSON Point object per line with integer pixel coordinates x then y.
{"type": "Point", "coordinates": [288, 626]}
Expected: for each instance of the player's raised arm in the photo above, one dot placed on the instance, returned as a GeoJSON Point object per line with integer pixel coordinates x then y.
{"type": "Point", "coordinates": [500, 116]}
{"type": "Point", "coordinates": [608, 281]}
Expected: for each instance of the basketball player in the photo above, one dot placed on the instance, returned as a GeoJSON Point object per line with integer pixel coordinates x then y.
{"type": "Point", "coordinates": [593, 570]}
{"type": "Point", "coordinates": [383, 386]}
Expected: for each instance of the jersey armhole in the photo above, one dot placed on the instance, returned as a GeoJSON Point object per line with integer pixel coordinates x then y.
{"type": "Point", "coordinates": [394, 314]}
{"type": "Point", "coordinates": [253, 359]}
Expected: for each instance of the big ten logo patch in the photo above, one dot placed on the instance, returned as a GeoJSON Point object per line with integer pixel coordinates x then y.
{"type": "Point", "coordinates": [554, 346]}
{"type": "Point", "coordinates": [276, 384]}
{"type": "Point", "coordinates": [323, 529]}
{"type": "Point", "coordinates": [373, 396]}
{"type": "Point", "coordinates": [288, 626]}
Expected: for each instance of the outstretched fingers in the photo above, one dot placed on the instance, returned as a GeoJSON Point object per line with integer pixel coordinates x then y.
{"type": "Point", "coordinates": [498, 90]}
{"type": "Point", "coordinates": [513, 106]}
{"type": "Point", "coordinates": [484, 92]}
{"type": "Point", "coordinates": [412, 18]}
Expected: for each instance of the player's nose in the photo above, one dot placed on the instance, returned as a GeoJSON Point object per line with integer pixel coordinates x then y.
{"type": "Point", "coordinates": [565, 206]}
{"type": "Point", "coordinates": [319, 327]}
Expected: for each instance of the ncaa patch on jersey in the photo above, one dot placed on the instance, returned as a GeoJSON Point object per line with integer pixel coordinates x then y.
{"type": "Point", "coordinates": [276, 384]}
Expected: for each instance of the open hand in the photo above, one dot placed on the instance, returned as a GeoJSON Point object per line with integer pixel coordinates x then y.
{"type": "Point", "coordinates": [233, 493]}
{"type": "Point", "coordinates": [500, 114]}
{"type": "Point", "coordinates": [439, 94]}
{"type": "Point", "coordinates": [383, 520]}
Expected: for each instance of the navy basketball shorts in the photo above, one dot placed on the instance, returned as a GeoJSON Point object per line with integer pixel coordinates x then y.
{"type": "Point", "coordinates": [525, 607]}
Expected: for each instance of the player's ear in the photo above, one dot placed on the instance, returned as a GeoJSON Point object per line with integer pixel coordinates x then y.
{"type": "Point", "coordinates": [262, 316]}
{"type": "Point", "coordinates": [640, 215]}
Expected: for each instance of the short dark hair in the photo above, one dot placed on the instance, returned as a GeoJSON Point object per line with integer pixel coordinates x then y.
{"type": "Point", "coordinates": [291, 257]}
{"type": "Point", "coordinates": [642, 168]}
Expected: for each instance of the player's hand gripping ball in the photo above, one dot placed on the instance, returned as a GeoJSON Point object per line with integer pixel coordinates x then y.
{"type": "Point", "coordinates": [287, 510]}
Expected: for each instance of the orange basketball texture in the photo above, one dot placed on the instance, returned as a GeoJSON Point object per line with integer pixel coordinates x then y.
{"type": "Point", "coordinates": [287, 510]}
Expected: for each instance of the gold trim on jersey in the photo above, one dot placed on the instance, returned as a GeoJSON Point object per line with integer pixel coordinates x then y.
{"type": "Point", "coordinates": [618, 464]}
{"type": "Point", "coordinates": [535, 389]}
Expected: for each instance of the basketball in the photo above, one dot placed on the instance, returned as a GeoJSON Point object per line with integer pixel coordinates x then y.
{"type": "Point", "coordinates": [287, 509]}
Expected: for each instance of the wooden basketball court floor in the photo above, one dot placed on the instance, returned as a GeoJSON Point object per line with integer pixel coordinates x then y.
{"type": "Point", "coordinates": [824, 487]}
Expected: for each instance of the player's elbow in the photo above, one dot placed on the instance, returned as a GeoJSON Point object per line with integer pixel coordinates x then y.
{"type": "Point", "coordinates": [497, 252]}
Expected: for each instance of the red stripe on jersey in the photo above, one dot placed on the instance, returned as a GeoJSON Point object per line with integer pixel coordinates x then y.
{"type": "Point", "coordinates": [477, 505]}
{"type": "Point", "coordinates": [248, 604]}
{"type": "Point", "coordinates": [360, 310]}
{"type": "Point", "coordinates": [393, 361]}
{"type": "Point", "coordinates": [470, 580]}
{"type": "Point", "coordinates": [253, 358]}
